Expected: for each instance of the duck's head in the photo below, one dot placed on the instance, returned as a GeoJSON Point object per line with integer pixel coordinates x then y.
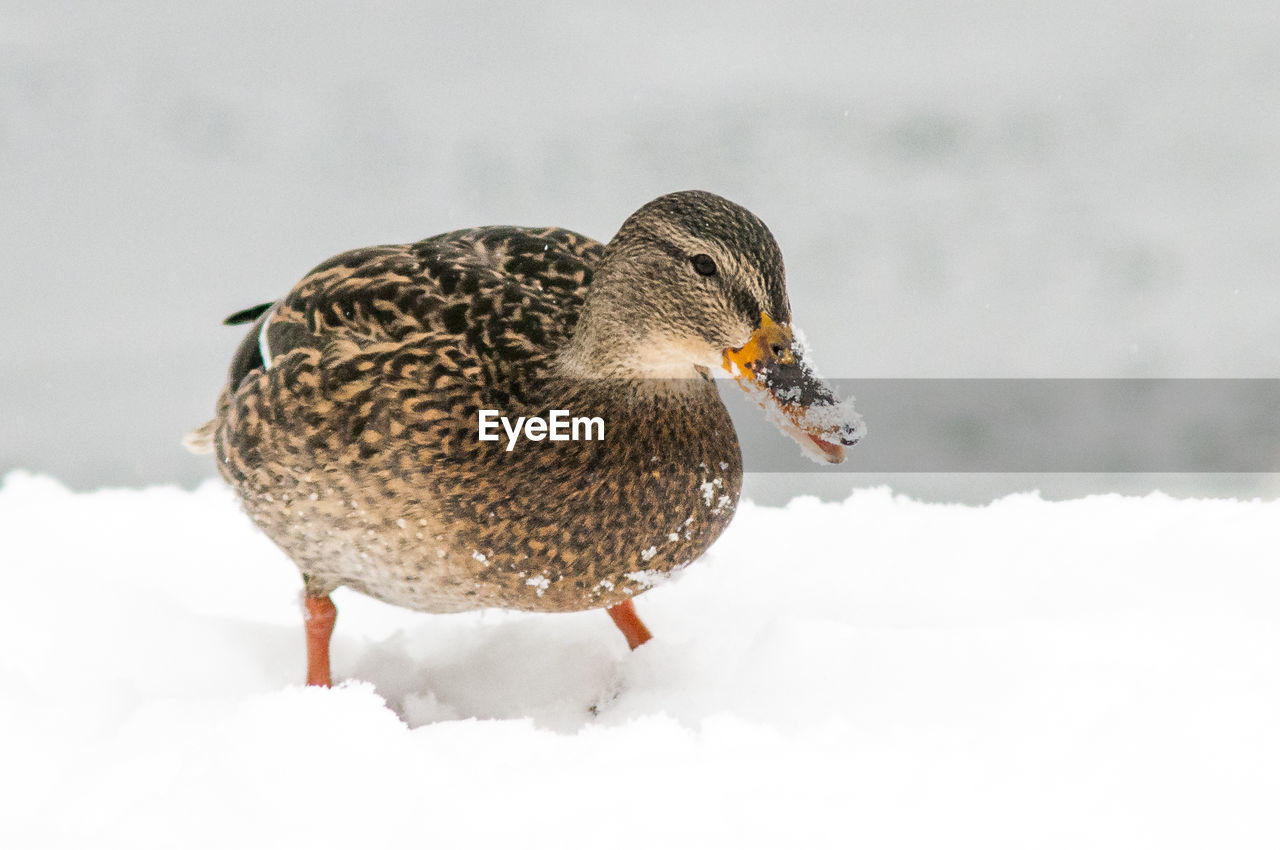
{"type": "Point", "coordinates": [695, 283]}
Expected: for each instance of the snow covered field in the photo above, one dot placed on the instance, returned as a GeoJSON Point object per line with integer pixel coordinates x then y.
{"type": "Point", "coordinates": [880, 673]}
{"type": "Point", "coordinates": [993, 188]}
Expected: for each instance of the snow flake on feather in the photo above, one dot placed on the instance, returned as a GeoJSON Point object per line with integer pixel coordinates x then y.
{"type": "Point", "coordinates": [711, 498]}
{"type": "Point", "coordinates": [686, 527]}
{"type": "Point", "coordinates": [539, 583]}
{"type": "Point", "coordinates": [648, 578]}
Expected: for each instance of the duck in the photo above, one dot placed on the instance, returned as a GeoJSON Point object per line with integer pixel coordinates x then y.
{"type": "Point", "coordinates": [366, 424]}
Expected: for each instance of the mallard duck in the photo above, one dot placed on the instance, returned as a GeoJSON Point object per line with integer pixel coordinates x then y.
{"type": "Point", "coordinates": [352, 420]}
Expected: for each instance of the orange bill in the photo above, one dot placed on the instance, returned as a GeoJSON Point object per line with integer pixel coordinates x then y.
{"type": "Point", "coordinates": [771, 368]}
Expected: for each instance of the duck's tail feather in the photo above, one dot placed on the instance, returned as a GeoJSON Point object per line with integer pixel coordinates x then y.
{"type": "Point", "coordinates": [244, 317]}
{"type": "Point", "coordinates": [200, 441]}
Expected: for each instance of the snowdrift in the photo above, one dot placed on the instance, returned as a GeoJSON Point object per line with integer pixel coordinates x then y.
{"type": "Point", "coordinates": [878, 673]}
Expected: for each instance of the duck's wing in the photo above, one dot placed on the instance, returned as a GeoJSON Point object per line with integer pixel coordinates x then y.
{"type": "Point", "coordinates": [494, 297]}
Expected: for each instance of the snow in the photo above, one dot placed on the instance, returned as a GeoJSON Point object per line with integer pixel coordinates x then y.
{"type": "Point", "coordinates": [1103, 672]}
{"type": "Point", "coordinates": [1000, 189]}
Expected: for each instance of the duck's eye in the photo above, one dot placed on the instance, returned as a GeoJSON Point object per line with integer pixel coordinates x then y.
{"type": "Point", "coordinates": [703, 265]}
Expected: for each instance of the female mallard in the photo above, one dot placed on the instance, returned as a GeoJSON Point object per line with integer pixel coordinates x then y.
{"type": "Point", "coordinates": [351, 422]}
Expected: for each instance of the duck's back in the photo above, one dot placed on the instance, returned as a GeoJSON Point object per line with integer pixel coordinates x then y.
{"type": "Point", "coordinates": [498, 295]}
{"type": "Point", "coordinates": [508, 292]}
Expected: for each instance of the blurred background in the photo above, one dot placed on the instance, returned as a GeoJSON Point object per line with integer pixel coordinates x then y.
{"type": "Point", "coordinates": [987, 189]}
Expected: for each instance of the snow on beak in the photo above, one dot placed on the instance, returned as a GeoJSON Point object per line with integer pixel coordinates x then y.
{"type": "Point", "coordinates": [772, 369]}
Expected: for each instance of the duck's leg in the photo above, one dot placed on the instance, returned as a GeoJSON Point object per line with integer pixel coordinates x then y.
{"type": "Point", "coordinates": [624, 617]}
{"type": "Point", "coordinates": [319, 615]}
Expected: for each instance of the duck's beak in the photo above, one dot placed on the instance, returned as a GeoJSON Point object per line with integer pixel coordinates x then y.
{"type": "Point", "coordinates": [772, 369]}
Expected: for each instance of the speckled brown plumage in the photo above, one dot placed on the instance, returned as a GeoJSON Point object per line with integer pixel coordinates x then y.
{"type": "Point", "coordinates": [357, 450]}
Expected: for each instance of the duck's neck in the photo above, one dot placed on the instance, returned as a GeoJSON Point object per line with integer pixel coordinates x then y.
{"type": "Point", "coordinates": [612, 345]}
